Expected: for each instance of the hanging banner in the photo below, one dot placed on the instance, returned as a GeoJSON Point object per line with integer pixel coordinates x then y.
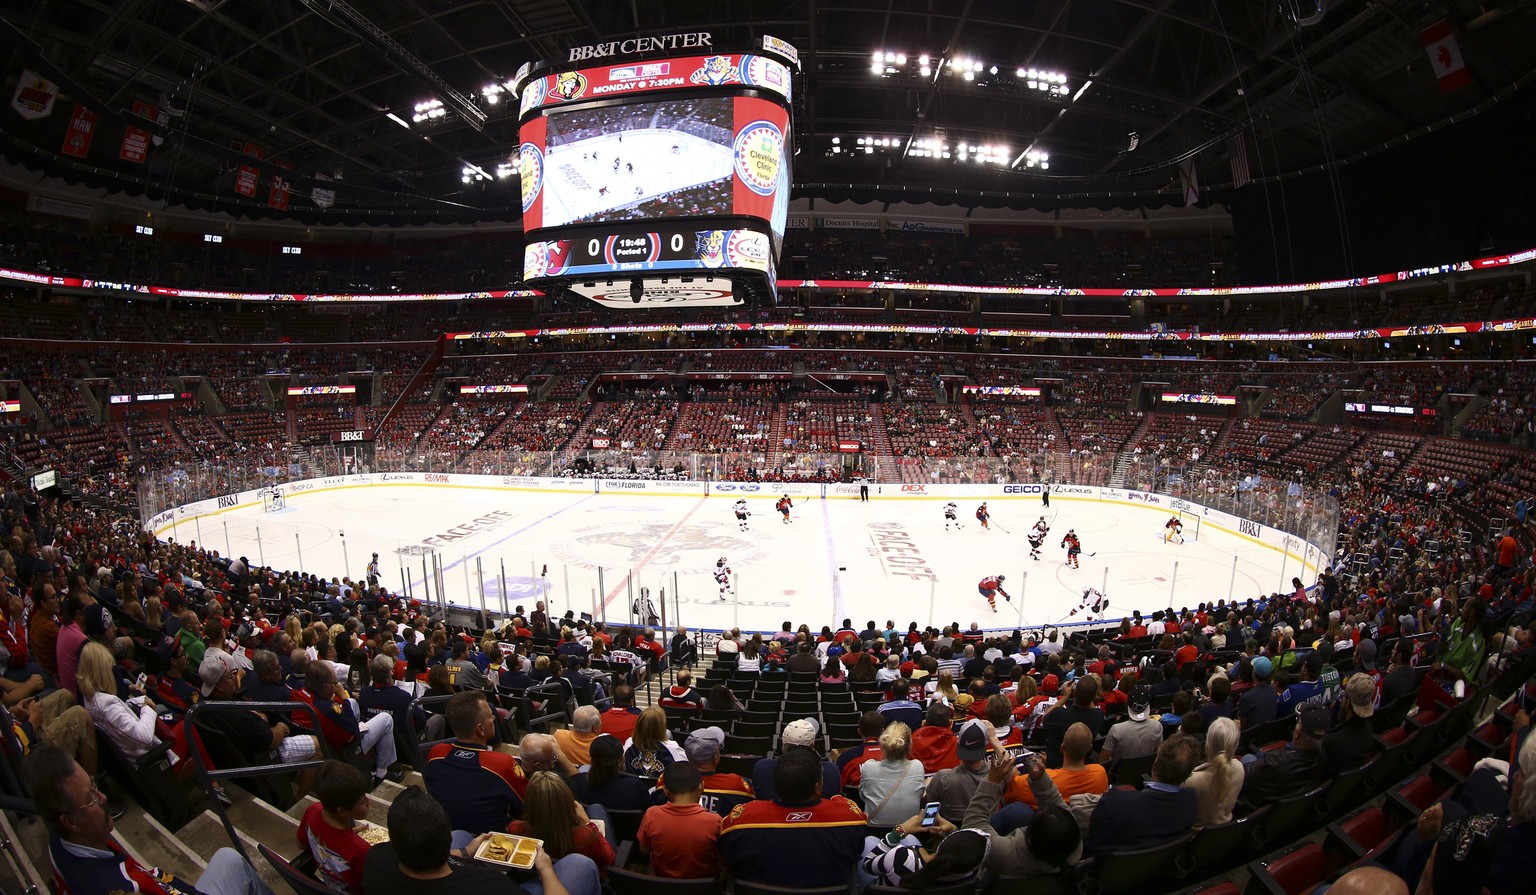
{"type": "Point", "coordinates": [82, 126]}
{"type": "Point", "coordinates": [277, 195]}
{"type": "Point", "coordinates": [246, 177]}
{"type": "Point", "coordinates": [322, 197]}
{"type": "Point", "coordinates": [135, 146]}
{"type": "Point", "coordinates": [1445, 56]}
{"type": "Point", "coordinates": [34, 96]}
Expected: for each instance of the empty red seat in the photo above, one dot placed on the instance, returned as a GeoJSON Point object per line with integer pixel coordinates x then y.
{"type": "Point", "coordinates": [1298, 871]}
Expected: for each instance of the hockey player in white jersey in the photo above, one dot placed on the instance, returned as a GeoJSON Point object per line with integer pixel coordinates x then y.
{"type": "Point", "coordinates": [742, 513]}
{"type": "Point", "coordinates": [1036, 537]}
{"type": "Point", "coordinates": [951, 516]}
{"type": "Point", "coordinates": [723, 578]}
{"type": "Point", "coordinates": [1093, 604]}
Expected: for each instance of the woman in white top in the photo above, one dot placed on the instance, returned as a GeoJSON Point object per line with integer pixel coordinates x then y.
{"type": "Point", "coordinates": [129, 725]}
{"type": "Point", "coordinates": [1219, 780]}
{"type": "Point", "coordinates": [892, 788]}
{"type": "Point", "coordinates": [748, 659]}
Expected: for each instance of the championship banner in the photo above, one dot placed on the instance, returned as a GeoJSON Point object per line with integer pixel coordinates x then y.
{"type": "Point", "coordinates": [34, 96]}
{"type": "Point", "coordinates": [246, 177]}
{"type": "Point", "coordinates": [135, 146]}
{"type": "Point", "coordinates": [277, 195]}
{"type": "Point", "coordinates": [322, 197]}
{"type": "Point", "coordinates": [82, 126]}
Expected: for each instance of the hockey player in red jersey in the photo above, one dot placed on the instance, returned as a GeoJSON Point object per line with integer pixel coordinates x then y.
{"type": "Point", "coordinates": [990, 587]}
{"type": "Point", "coordinates": [1074, 547]}
{"type": "Point", "coordinates": [982, 516]}
{"type": "Point", "coordinates": [783, 507]}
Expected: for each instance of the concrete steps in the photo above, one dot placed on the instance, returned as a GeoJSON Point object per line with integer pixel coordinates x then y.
{"type": "Point", "coordinates": [152, 845]}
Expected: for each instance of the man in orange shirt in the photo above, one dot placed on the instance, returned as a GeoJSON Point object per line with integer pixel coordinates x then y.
{"type": "Point", "coordinates": [681, 836]}
{"type": "Point", "coordinates": [1509, 548]}
{"type": "Point", "coordinates": [1074, 776]}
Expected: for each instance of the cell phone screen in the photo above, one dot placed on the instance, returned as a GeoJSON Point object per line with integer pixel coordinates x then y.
{"type": "Point", "coordinates": [930, 813]}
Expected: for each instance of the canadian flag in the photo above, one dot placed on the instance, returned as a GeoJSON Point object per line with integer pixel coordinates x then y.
{"type": "Point", "coordinates": [1445, 56]}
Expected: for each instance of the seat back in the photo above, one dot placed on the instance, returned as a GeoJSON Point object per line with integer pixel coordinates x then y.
{"type": "Point", "coordinates": [1297, 871]}
{"type": "Point", "coordinates": [302, 883]}
{"type": "Point", "coordinates": [1287, 816]}
{"type": "Point", "coordinates": [626, 823]}
{"type": "Point", "coordinates": [744, 887]}
{"type": "Point", "coordinates": [1129, 871]}
{"type": "Point", "coordinates": [1224, 846]}
{"type": "Point", "coordinates": [628, 882]}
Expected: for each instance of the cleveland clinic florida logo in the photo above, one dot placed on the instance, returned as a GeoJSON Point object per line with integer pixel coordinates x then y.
{"type": "Point", "coordinates": [759, 154]}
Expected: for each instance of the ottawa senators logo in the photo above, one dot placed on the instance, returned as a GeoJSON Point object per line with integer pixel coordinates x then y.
{"type": "Point", "coordinates": [570, 85]}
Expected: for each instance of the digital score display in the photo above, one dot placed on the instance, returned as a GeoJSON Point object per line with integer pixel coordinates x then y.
{"type": "Point", "coordinates": [640, 248]}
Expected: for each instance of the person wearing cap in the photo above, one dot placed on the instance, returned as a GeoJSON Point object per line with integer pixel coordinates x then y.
{"type": "Point", "coordinates": [953, 787]}
{"type": "Point", "coordinates": [796, 735]}
{"type": "Point", "coordinates": [719, 792]}
{"type": "Point", "coordinates": [681, 836]}
{"type": "Point", "coordinates": [935, 742]}
{"type": "Point", "coordinates": [1256, 707]}
{"type": "Point", "coordinates": [1293, 770]}
{"type": "Point", "coordinates": [1137, 736]}
{"type": "Point", "coordinates": [1352, 740]}
{"type": "Point", "coordinates": [248, 730]}
{"type": "Point", "coordinates": [1307, 690]}
{"type": "Point", "coordinates": [799, 838]}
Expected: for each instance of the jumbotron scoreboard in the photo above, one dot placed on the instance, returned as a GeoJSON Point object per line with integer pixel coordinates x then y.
{"type": "Point", "coordinates": [658, 181]}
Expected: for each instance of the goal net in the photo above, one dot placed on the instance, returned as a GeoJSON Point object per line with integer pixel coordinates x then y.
{"type": "Point", "coordinates": [271, 500]}
{"type": "Point", "coordinates": [1191, 525]}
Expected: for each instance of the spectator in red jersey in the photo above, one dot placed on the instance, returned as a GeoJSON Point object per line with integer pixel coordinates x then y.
{"type": "Point", "coordinates": [329, 828]}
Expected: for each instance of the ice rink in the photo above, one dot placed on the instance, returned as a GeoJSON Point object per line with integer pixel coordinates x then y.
{"type": "Point", "coordinates": [888, 558]}
{"type": "Point", "coordinates": [600, 174]}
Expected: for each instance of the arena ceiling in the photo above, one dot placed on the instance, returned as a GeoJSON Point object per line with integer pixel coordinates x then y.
{"type": "Point", "coordinates": [312, 83]}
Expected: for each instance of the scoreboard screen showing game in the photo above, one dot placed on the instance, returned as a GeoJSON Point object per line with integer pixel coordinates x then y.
{"type": "Point", "coordinates": [668, 165]}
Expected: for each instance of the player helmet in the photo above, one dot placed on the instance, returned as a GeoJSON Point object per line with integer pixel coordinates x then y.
{"type": "Point", "coordinates": [1002, 578]}
{"type": "Point", "coordinates": [720, 561]}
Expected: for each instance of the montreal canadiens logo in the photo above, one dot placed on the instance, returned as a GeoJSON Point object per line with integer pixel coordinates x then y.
{"type": "Point", "coordinates": [759, 153]}
{"type": "Point", "coordinates": [532, 173]}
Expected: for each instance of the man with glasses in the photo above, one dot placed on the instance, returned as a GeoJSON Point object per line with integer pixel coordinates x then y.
{"type": "Point", "coordinates": [86, 861]}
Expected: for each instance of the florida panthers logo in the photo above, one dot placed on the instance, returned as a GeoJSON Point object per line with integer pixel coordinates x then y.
{"type": "Point", "coordinates": [717, 70]}
{"type": "Point", "coordinates": [690, 547]}
{"type": "Point", "coordinates": [709, 247]}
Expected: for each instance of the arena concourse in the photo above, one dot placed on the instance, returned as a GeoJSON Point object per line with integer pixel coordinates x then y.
{"type": "Point", "coordinates": [1017, 546]}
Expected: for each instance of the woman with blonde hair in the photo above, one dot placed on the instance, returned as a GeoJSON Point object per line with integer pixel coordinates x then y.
{"type": "Point", "coordinates": [551, 813]}
{"type": "Point", "coordinates": [1219, 780]}
{"type": "Point", "coordinates": [892, 788]}
{"type": "Point", "coordinates": [648, 752]}
{"type": "Point", "coordinates": [131, 727]}
{"type": "Point", "coordinates": [154, 614]}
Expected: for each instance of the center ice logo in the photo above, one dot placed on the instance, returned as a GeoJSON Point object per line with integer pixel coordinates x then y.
{"type": "Point", "coordinates": [693, 545]}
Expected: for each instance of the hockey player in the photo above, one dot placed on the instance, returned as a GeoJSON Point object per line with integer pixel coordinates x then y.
{"type": "Point", "coordinates": [1074, 547]}
{"type": "Point", "coordinates": [723, 578]}
{"type": "Point", "coordinates": [742, 513]}
{"type": "Point", "coordinates": [1173, 528]}
{"type": "Point", "coordinates": [982, 516]}
{"type": "Point", "coordinates": [1093, 604]}
{"type": "Point", "coordinates": [990, 587]}
{"type": "Point", "coordinates": [950, 517]}
{"type": "Point", "coordinates": [1036, 537]}
{"type": "Point", "coordinates": [783, 507]}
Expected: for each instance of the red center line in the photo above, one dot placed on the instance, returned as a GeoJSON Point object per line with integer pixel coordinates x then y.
{"type": "Point", "coordinates": [645, 560]}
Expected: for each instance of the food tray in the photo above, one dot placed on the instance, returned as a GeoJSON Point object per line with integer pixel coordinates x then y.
{"type": "Point", "coordinates": [507, 851]}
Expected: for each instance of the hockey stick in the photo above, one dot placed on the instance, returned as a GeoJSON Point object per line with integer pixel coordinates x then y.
{"type": "Point", "coordinates": [1003, 530]}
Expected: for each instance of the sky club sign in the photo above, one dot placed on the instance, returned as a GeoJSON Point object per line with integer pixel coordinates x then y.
{"type": "Point", "coordinates": [634, 45]}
